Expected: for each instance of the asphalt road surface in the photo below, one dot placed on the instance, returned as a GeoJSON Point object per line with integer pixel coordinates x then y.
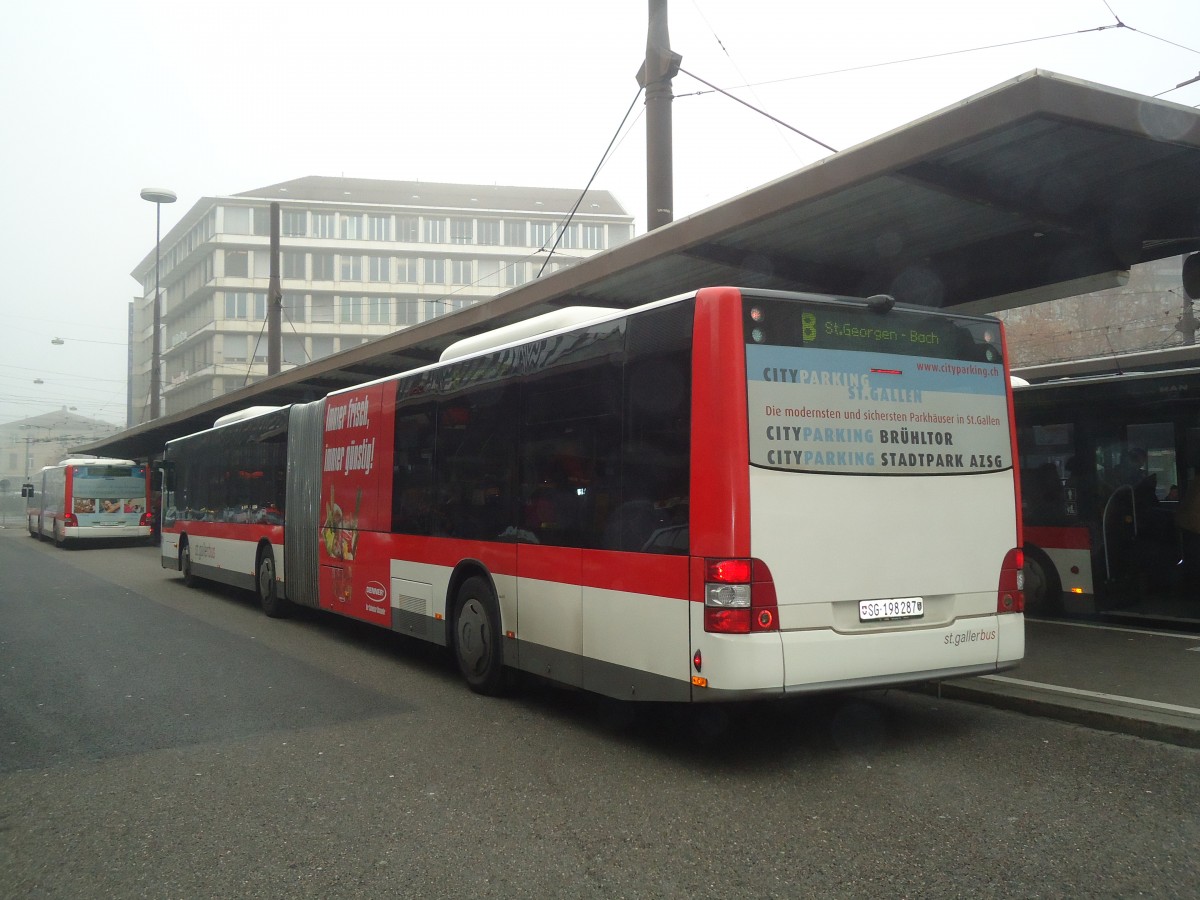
{"type": "Point", "coordinates": [157, 741]}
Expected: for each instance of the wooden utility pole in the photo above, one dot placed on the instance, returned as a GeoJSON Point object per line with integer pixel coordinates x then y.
{"type": "Point", "coordinates": [655, 76]}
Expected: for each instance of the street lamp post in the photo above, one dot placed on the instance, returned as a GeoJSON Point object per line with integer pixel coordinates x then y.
{"type": "Point", "coordinates": [157, 196]}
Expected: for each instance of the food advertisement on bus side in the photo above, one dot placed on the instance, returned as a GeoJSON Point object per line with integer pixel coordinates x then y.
{"type": "Point", "coordinates": [355, 495]}
{"type": "Point", "coordinates": [865, 413]}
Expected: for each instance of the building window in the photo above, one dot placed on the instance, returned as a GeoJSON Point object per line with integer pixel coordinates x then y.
{"type": "Point", "coordinates": [516, 273]}
{"type": "Point", "coordinates": [462, 231]}
{"type": "Point", "coordinates": [407, 229]}
{"type": "Point", "coordinates": [351, 227]}
{"type": "Point", "coordinates": [435, 231]}
{"type": "Point", "coordinates": [293, 307]}
{"type": "Point", "coordinates": [488, 273]}
{"type": "Point", "coordinates": [293, 223]}
{"type": "Point", "coordinates": [351, 310]}
{"type": "Point", "coordinates": [593, 237]}
{"type": "Point", "coordinates": [292, 350]}
{"type": "Point", "coordinates": [377, 310]}
{"type": "Point", "coordinates": [407, 311]}
{"type": "Point", "coordinates": [237, 220]}
{"type": "Point", "coordinates": [514, 234]}
{"type": "Point", "coordinates": [323, 225]}
{"type": "Point", "coordinates": [262, 264]}
{"type": "Point", "coordinates": [351, 268]}
{"type": "Point", "coordinates": [322, 266]}
{"type": "Point", "coordinates": [435, 271]}
{"type": "Point", "coordinates": [379, 228]}
{"type": "Point", "coordinates": [321, 311]}
{"type": "Point", "coordinates": [487, 232]}
{"type": "Point", "coordinates": [541, 234]}
{"type": "Point", "coordinates": [237, 264]}
{"type": "Point", "coordinates": [237, 304]}
{"type": "Point", "coordinates": [462, 271]}
{"type": "Point", "coordinates": [322, 345]}
{"type": "Point", "coordinates": [292, 263]}
{"type": "Point", "coordinates": [407, 270]}
{"type": "Point", "coordinates": [379, 268]}
{"type": "Point", "coordinates": [262, 220]}
{"type": "Point", "coordinates": [569, 238]}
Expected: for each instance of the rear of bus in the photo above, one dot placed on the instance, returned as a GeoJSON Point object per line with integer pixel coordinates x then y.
{"type": "Point", "coordinates": [106, 499]}
{"type": "Point", "coordinates": [869, 529]}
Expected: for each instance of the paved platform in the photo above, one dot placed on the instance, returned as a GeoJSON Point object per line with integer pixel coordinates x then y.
{"type": "Point", "coordinates": [1136, 681]}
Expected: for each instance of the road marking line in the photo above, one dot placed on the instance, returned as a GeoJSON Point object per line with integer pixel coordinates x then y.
{"type": "Point", "coordinates": [1058, 688]}
{"type": "Point", "coordinates": [1151, 631]}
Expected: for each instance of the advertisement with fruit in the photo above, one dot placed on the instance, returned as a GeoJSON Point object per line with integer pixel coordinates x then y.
{"type": "Point", "coordinates": [355, 501]}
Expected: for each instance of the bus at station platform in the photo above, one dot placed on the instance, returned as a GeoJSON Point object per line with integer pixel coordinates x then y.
{"type": "Point", "coordinates": [724, 495]}
{"type": "Point", "coordinates": [1110, 474]}
{"type": "Point", "coordinates": [88, 499]}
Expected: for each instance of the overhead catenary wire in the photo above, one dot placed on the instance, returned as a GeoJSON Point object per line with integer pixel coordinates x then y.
{"type": "Point", "coordinates": [603, 157]}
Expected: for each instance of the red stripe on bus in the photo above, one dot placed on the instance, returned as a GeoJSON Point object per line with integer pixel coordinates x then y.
{"type": "Point", "coordinates": [231, 531]}
{"type": "Point", "coordinates": [720, 475]}
{"type": "Point", "coordinates": [1059, 537]}
{"type": "Point", "coordinates": [636, 573]}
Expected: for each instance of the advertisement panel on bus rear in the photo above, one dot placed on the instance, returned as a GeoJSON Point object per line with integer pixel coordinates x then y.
{"type": "Point", "coordinates": [856, 412]}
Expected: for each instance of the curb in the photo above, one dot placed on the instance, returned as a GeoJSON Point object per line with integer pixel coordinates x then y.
{"type": "Point", "coordinates": [1163, 724]}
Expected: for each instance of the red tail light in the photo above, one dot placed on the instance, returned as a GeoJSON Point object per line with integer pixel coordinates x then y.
{"type": "Point", "coordinates": [147, 519]}
{"type": "Point", "coordinates": [739, 597]}
{"type": "Point", "coordinates": [1010, 594]}
{"type": "Point", "coordinates": [70, 521]}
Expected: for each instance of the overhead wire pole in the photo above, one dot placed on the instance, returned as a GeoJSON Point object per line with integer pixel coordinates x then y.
{"type": "Point", "coordinates": [655, 76]}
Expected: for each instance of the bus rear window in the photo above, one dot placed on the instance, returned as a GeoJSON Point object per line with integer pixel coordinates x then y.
{"type": "Point", "coordinates": [837, 388]}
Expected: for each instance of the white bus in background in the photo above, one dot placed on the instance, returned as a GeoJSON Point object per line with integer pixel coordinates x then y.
{"type": "Point", "coordinates": [88, 498]}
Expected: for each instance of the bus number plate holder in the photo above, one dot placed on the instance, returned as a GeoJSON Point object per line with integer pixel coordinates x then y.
{"type": "Point", "coordinates": [895, 608]}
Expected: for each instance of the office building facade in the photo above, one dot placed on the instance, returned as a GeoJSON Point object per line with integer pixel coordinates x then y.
{"type": "Point", "coordinates": [359, 259]}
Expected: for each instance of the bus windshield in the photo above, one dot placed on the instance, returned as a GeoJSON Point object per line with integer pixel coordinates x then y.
{"type": "Point", "coordinates": [841, 389]}
{"type": "Point", "coordinates": [109, 482]}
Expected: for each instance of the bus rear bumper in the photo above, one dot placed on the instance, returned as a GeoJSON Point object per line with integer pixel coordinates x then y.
{"type": "Point", "coordinates": [100, 532]}
{"type": "Point", "coordinates": [818, 660]}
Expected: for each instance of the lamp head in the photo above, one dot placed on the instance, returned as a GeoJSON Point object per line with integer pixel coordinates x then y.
{"type": "Point", "coordinates": [158, 195]}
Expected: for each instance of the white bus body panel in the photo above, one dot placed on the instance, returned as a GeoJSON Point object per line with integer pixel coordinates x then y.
{"type": "Point", "coordinates": [833, 540]}
{"type": "Point", "coordinates": [222, 554]}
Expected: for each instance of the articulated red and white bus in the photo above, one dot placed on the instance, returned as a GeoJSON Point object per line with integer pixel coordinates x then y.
{"type": "Point", "coordinates": [89, 498]}
{"type": "Point", "coordinates": [723, 495]}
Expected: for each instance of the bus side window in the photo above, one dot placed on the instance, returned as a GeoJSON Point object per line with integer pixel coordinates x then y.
{"type": "Point", "coordinates": [412, 470]}
{"type": "Point", "coordinates": [570, 445]}
{"type": "Point", "coordinates": [651, 515]}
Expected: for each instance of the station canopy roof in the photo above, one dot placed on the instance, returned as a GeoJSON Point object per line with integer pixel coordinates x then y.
{"type": "Point", "coordinates": [1041, 187]}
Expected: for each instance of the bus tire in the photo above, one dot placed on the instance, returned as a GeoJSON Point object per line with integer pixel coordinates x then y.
{"type": "Point", "coordinates": [1043, 587]}
{"type": "Point", "coordinates": [185, 563]}
{"type": "Point", "coordinates": [268, 588]}
{"type": "Point", "coordinates": [477, 638]}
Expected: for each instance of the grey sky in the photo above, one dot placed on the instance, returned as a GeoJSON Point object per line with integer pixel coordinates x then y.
{"type": "Point", "coordinates": [101, 99]}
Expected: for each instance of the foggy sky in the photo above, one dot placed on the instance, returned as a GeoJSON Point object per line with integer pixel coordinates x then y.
{"type": "Point", "coordinates": [102, 99]}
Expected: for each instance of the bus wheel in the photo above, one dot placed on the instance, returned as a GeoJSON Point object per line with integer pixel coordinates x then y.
{"type": "Point", "coordinates": [1043, 589]}
{"type": "Point", "coordinates": [268, 590]}
{"type": "Point", "coordinates": [477, 648]}
{"type": "Point", "coordinates": [185, 564]}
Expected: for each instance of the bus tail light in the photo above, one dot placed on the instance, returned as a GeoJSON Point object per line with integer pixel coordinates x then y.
{"type": "Point", "coordinates": [70, 521]}
{"type": "Point", "coordinates": [1010, 595]}
{"type": "Point", "coordinates": [739, 597]}
{"type": "Point", "coordinates": [147, 520]}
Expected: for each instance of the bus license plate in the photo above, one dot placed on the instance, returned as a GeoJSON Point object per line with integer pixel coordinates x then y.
{"type": "Point", "coordinates": [897, 608]}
